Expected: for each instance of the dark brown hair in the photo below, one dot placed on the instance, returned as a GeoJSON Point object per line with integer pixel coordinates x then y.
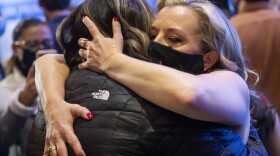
{"type": "Point", "coordinates": [135, 17]}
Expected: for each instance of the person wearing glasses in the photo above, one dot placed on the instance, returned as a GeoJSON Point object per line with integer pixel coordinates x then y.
{"type": "Point", "coordinates": [17, 91]}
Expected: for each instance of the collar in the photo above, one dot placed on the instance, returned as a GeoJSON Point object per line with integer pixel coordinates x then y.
{"type": "Point", "coordinates": [255, 6]}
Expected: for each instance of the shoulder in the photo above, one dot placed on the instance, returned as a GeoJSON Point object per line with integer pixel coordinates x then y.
{"type": "Point", "coordinates": [227, 80]}
{"type": "Point", "coordinates": [224, 75]}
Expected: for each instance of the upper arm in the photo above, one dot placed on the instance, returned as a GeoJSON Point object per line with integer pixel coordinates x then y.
{"type": "Point", "coordinates": [52, 63]}
{"type": "Point", "coordinates": [50, 76]}
{"type": "Point", "coordinates": [222, 97]}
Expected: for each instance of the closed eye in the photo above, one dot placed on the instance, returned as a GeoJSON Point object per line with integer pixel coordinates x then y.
{"type": "Point", "coordinates": [174, 40]}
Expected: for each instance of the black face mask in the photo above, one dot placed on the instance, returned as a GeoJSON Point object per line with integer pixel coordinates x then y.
{"type": "Point", "coordinates": [26, 62]}
{"type": "Point", "coordinates": [190, 63]}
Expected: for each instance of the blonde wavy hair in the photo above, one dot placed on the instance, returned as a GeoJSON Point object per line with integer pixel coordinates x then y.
{"type": "Point", "coordinates": [217, 33]}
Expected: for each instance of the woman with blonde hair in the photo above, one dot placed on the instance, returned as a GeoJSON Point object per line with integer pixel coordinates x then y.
{"type": "Point", "coordinates": [197, 105]}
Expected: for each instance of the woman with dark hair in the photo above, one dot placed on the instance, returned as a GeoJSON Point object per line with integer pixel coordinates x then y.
{"type": "Point", "coordinates": [190, 114]}
{"type": "Point", "coordinates": [83, 86]}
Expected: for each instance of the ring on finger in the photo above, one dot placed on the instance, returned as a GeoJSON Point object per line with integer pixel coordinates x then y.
{"type": "Point", "coordinates": [51, 148]}
{"type": "Point", "coordinates": [83, 42]}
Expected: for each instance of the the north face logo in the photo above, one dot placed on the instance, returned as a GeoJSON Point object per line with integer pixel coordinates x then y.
{"type": "Point", "coordinates": [101, 94]}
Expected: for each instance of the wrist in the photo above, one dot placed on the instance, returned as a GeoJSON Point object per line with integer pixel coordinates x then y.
{"type": "Point", "coordinates": [27, 98]}
{"type": "Point", "coordinates": [110, 62]}
{"type": "Point", "coordinates": [53, 103]}
{"type": "Point", "coordinates": [52, 108]}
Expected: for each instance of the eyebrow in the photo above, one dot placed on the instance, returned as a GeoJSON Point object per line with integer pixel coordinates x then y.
{"type": "Point", "coordinates": [177, 31]}
{"type": "Point", "coordinates": [153, 28]}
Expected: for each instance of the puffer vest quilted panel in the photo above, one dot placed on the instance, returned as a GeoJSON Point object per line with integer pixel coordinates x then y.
{"type": "Point", "coordinates": [126, 124]}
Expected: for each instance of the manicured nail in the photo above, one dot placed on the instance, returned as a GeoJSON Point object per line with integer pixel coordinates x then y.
{"type": "Point", "coordinates": [90, 115]}
{"type": "Point", "coordinates": [116, 18]}
{"type": "Point", "coordinates": [84, 17]}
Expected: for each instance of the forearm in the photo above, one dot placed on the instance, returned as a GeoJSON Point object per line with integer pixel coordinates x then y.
{"type": "Point", "coordinates": [201, 97]}
{"type": "Point", "coordinates": [155, 83]}
{"type": "Point", "coordinates": [50, 77]}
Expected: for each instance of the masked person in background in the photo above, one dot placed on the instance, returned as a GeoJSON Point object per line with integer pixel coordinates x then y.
{"type": "Point", "coordinates": [17, 91]}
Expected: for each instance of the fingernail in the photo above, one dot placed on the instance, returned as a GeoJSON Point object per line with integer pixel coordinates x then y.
{"type": "Point", "coordinates": [116, 18]}
{"type": "Point", "coordinates": [90, 115]}
{"type": "Point", "coordinates": [84, 17]}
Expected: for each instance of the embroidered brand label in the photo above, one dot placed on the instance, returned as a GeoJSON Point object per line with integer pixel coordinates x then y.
{"type": "Point", "coordinates": [101, 94]}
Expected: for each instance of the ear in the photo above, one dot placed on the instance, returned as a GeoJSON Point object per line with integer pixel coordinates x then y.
{"type": "Point", "coordinates": [210, 59]}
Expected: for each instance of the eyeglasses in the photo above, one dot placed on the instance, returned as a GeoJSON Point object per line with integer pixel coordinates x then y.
{"type": "Point", "coordinates": [35, 45]}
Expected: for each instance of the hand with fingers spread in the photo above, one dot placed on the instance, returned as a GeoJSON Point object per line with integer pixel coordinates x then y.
{"type": "Point", "coordinates": [59, 128]}
{"type": "Point", "coordinates": [101, 48]}
{"type": "Point", "coordinates": [59, 115]}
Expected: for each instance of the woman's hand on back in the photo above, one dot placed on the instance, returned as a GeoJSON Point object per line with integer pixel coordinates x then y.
{"type": "Point", "coordinates": [59, 129]}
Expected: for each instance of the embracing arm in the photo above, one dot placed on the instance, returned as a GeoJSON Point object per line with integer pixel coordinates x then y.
{"type": "Point", "coordinates": [220, 96]}
{"type": "Point", "coordinates": [51, 74]}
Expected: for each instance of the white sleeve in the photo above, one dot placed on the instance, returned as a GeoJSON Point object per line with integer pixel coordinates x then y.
{"type": "Point", "coordinates": [20, 109]}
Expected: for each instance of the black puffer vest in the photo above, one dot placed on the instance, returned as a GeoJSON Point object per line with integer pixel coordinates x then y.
{"type": "Point", "coordinates": [126, 124]}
